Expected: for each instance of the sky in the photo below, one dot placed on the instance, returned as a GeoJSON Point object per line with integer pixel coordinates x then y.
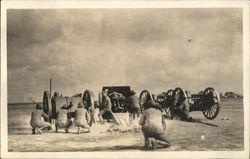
{"type": "Point", "coordinates": [153, 49]}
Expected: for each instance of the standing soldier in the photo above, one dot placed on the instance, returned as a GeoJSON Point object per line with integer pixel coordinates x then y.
{"type": "Point", "coordinates": [63, 119]}
{"type": "Point", "coordinates": [37, 122]}
{"type": "Point", "coordinates": [133, 106]}
{"type": "Point", "coordinates": [106, 107]}
{"type": "Point", "coordinates": [82, 119]}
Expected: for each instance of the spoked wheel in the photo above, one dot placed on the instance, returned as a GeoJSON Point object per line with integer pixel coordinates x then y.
{"type": "Point", "coordinates": [53, 104]}
{"type": "Point", "coordinates": [170, 92]}
{"type": "Point", "coordinates": [144, 97]}
{"type": "Point", "coordinates": [88, 97]}
{"type": "Point", "coordinates": [211, 103]}
{"type": "Point", "coordinates": [47, 108]}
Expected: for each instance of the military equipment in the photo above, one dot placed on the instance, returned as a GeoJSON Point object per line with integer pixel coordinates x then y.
{"type": "Point", "coordinates": [207, 101]}
{"type": "Point", "coordinates": [51, 105]}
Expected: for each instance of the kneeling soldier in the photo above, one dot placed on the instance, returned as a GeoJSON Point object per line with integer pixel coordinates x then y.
{"type": "Point", "coordinates": [153, 126]}
{"type": "Point", "coordinates": [63, 119]}
{"type": "Point", "coordinates": [37, 122]}
{"type": "Point", "coordinates": [82, 119]}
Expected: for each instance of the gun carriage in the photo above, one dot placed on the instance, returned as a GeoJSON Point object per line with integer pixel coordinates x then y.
{"type": "Point", "coordinates": [51, 105]}
{"type": "Point", "coordinates": [208, 101]}
{"type": "Point", "coordinates": [117, 95]}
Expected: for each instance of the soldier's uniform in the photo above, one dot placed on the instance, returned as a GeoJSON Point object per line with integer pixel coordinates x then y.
{"type": "Point", "coordinates": [63, 119]}
{"type": "Point", "coordinates": [153, 126]}
{"type": "Point", "coordinates": [115, 99]}
{"type": "Point", "coordinates": [82, 119]}
{"type": "Point", "coordinates": [37, 122]}
{"type": "Point", "coordinates": [133, 105]}
{"type": "Point", "coordinates": [180, 108]}
{"type": "Point", "coordinates": [107, 107]}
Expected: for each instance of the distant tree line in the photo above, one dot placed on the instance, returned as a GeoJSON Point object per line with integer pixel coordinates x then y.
{"type": "Point", "coordinates": [230, 95]}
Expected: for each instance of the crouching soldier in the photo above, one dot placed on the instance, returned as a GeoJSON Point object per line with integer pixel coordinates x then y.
{"type": "Point", "coordinates": [106, 107]}
{"type": "Point", "coordinates": [153, 126]}
{"type": "Point", "coordinates": [180, 108]}
{"type": "Point", "coordinates": [63, 119]}
{"type": "Point", "coordinates": [82, 119]}
{"type": "Point", "coordinates": [37, 122]}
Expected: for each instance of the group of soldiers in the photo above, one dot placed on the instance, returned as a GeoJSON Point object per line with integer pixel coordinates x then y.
{"type": "Point", "coordinates": [152, 120]}
{"type": "Point", "coordinates": [63, 119]}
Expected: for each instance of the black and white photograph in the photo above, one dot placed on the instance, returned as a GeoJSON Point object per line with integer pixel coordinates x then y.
{"type": "Point", "coordinates": [125, 79]}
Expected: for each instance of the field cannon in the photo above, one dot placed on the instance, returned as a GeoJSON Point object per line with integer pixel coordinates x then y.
{"type": "Point", "coordinates": [117, 95]}
{"type": "Point", "coordinates": [51, 105]}
{"type": "Point", "coordinates": [207, 101]}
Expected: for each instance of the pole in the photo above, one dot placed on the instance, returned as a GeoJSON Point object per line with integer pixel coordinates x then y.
{"type": "Point", "coordinates": [50, 86]}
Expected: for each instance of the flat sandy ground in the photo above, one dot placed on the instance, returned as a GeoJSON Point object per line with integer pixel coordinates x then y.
{"type": "Point", "coordinates": [184, 136]}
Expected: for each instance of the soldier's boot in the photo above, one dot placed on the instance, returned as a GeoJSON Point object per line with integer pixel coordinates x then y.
{"type": "Point", "coordinates": [38, 130]}
{"type": "Point", "coordinates": [153, 143]}
{"type": "Point", "coordinates": [86, 130]}
{"type": "Point", "coordinates": [66, 130]}
{"type": "Point", "coordinates": [164, 144]}
{"type": "Point", "coordinates": [79, 130]}
{"type": "Point", "coordinates": [33, 131]}
{"type": "Point", "coordinates": [147, 144]}
{"type": "Point", "coordinates": [56, 129]}
{"type": "Point", "coordinates": [50, 128]}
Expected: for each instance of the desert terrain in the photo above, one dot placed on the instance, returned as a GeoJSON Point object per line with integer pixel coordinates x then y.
{"type": "Point", "coordinates": [184, 136]}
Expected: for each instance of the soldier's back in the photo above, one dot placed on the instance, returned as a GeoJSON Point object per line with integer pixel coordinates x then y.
{"type": "Point", "coordinates": [107, 103]}
{"type": "Point", "coordinates": [80, 116]}
{"type": "Point", "coordinates": [153, 121]}
{"type": "Point", "coordinates": [133, 101]}
{"type": "Point", "coordinates": [36, 118]}
{"type": "Point", "coordinates": [62, 115]}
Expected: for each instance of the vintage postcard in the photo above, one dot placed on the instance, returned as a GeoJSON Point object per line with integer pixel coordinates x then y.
{"type": "Point", "coordinates": [124, 79]}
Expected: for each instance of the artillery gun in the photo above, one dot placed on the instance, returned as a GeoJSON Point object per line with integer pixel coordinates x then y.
{"type": "Point", "coordinates": [207, 101]}
{"type": "Point", "coordinates": [51, 105]}
{"type": "Point", "coordinates": [118, 95]}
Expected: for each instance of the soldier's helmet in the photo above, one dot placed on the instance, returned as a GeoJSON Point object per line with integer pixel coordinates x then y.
{"type": "Point", "coordinates": [132, 92]}
{"type": "Point", "coordinates": [38, 106]}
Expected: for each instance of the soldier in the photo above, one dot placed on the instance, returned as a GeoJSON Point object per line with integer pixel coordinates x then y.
{"type": "Point", "coordinates": [37, 122]}
{"type": "Point", "coordinates": [133, 105]}
{"type": "Point", "coordinates": [153, 126]}
{"type": "Point", "coordinates": [115, 99]}
{"type": "Point", "coordinates": [82, 119]}
{"type": "Point", "coordinates": [181, 107]}
{"type": "Point", "coordinates": [63, 119]}
{"type": "Point", "coordinates": [106, 105]}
